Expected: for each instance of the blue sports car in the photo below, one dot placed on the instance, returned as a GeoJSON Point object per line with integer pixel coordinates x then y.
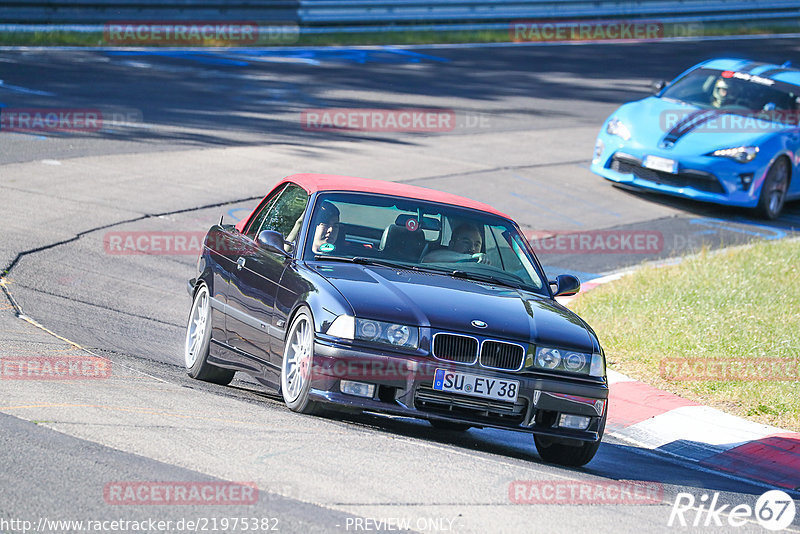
{"type": "Point", "coordinates": [724, 131]}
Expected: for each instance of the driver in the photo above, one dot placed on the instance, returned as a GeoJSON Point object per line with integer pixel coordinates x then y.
{"type": "Point", "coordinates": [326, 230]}
{"type": "Point", "coordinates": [720, 96]}
{"type": "Point", "coordinates": [465, 245]}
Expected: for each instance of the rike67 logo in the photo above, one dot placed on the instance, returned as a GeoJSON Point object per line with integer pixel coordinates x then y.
{"type": "Point", "coordinates": [774, 510]}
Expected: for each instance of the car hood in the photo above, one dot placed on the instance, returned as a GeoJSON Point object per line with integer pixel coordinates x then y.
{"type": "Point", "coordinates": [651, 120]}
{"type": "Point", "coordinates": [447, 303]}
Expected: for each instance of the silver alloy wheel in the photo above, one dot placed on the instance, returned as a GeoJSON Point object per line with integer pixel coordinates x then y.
{"type": "Point", "coordinates": [297, 359]}
{"type": "Point", "coordinates": [196, 329]}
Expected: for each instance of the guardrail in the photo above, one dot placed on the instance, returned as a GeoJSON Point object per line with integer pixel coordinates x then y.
{"type": "Point", "coordinates": [325, 16]}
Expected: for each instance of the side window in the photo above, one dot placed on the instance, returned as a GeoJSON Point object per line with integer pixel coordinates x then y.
{"type": "Point", "coordinates": [255, 224]}
{"type": "Point", "coordinates": [286, 211]}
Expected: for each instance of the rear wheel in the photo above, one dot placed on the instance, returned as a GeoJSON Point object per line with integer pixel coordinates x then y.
{"type": "Point", "coordinates": [773, 191]}
{"type": "Point", "coordinates": [198, 340]}
{"type": "Point", "coordinates": [297, 366]}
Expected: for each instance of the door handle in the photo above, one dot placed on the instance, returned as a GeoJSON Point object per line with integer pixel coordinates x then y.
{"type": "Point", "coordinates": [240, 263]}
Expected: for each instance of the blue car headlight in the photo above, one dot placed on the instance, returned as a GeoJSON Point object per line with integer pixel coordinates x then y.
{"type": "Point", "coordinates": [571, 361]}
{"type": "Point", "coordinates": [742, 154]}
{"type": "Point", "coordinates": [618, 128]}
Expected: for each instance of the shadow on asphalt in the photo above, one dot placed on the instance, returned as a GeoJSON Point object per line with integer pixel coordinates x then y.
{"type": "Point", "coordinates": [227, 94]}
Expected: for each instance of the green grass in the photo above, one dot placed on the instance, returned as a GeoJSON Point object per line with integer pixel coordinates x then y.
{"type": "Point", "coordinates": [741, 303]}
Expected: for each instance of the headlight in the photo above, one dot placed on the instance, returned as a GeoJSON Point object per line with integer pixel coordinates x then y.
{"type": "Point", "coordinates": [742, 154]}
{"type": "Point", "coordinates": [616, 127]}
{"type": "Point", "coordinates": [399, 335]}
{"type": "Point", "coordinates": [343, 327]}
{"type": "Point", "coordinates": [571, 361]}
{"type": "Point", "coordinates": [598, 151]}
{"type": "Point", "coordinates": [547, 358]}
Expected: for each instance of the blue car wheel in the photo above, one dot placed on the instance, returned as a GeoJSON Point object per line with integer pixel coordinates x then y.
{"type": "Point", "coordinates": [773, 192]}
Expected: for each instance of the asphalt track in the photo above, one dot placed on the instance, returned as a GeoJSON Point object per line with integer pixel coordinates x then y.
{"type": "Point", "coordinates": [195, 135]}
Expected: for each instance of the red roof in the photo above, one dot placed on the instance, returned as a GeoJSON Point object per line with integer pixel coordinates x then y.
{"type": "Point", "coordinates": [331, 182]}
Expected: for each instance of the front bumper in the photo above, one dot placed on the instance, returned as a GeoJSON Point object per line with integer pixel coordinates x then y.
{"type": "Point", "coordinates": [703, 178]}
{"type": "Point", "coordinates": [403, 386]}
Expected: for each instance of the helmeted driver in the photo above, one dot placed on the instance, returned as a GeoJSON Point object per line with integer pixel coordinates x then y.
{"type": "Point", "coordinates": [720, 96]}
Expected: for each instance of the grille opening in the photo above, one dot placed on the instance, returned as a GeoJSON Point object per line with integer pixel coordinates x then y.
{"type": "Point", "coordinates": [387, 393]}
{"type": "Point", "coordinates": [699, 180]}
{"type": "Point", "coordinates": [500, 355]}
{"type": "Point", "coordinates": [455, 348]}
{"type": "Point", "coordinates": [471, 408]}
{"type": "Point", "coordinates": [546, 418]}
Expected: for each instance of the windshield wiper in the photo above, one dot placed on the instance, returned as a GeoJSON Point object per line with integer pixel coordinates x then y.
{"type": "Point", "coordinates": [484, 278]}
{"type": "Point", "coordinates": [363, 260]}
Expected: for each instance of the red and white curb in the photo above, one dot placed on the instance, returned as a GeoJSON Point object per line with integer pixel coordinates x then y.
{"type": "Point", "coordinates": [657, 420]}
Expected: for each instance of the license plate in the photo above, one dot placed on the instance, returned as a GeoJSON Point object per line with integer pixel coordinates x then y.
{"type": "Point", "coordinates": [476, 385]}
{"type": "Point", "coordinates": [660, 164]}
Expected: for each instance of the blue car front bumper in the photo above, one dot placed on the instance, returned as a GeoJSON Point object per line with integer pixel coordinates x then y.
{"type": "Point", "coordinates": [705, 178]}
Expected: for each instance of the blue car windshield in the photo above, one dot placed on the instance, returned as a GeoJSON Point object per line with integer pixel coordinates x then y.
{"type": "Point", "coordinates": [420, 235]}
{"type": "Point", "coordinates": [739, 93]}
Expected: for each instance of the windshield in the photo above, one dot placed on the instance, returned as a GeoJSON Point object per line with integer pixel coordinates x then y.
{"type": "Point", "coordinates": [421, 235]}
{"type": "Point", "coordinates": [737, 93]}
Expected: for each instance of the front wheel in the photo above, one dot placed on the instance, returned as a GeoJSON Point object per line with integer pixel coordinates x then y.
{"type": "Point", "coordinates": [297, 365]}
{"type": "Point", "coordinates": [198, 340]}
{"type": "Point", "coordinates": [559, 452]}
{"type": "Point", "coordinates": [773, 191]}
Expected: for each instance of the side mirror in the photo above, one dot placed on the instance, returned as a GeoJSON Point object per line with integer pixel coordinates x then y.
{"type": "Point", "coordinates": [658, 85]}
{"type": "Point", "coordinates": [565, 285]}
{"type": "Point", "coordinates": [272, 241]}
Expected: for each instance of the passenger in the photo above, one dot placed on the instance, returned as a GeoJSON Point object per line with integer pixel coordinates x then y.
{"type": "Point", "coordinates": [465, 245]}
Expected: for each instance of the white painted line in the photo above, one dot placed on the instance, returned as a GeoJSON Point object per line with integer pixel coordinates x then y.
{"type": "Point", "coordinates": [24, 90]}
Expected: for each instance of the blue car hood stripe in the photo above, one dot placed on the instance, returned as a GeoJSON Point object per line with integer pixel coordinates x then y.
{"type": "Point", "coordinates": [687, 124]}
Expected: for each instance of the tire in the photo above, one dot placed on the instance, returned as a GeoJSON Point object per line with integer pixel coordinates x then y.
{"type": "Point", "coordinates": [198, 340]}
{"type": "Point", "coordinates": [298, 363]}
{"type": "Point", "coordinates": [556, 451]}
{"type": "Point", "coordinates": [568, 452]}
{"type": "Point", "coordinates": [449, 425]}
{"type": "Point", "coordinates": [773, 190]}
